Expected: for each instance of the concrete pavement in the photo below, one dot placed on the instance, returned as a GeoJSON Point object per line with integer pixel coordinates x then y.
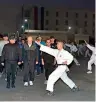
{"type": "Point", "coordinates": [62, 92]}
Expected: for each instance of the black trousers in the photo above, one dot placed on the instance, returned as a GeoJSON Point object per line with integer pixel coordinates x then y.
{"type": "Point", "coordinates": [29, 67]}
{"type": "Point", "coordinates": [1, 67]}
{"type": "Point", "coordinates": [49, 68]}
{"type": "Point", "coordinates": [10, 71]}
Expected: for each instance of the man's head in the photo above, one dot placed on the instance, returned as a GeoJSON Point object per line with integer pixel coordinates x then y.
{"type": "Point", "coordinates": [60, 45]}
{"type": "Point", "coordinates": [20, 37]}
{"type": "Point", "coordinates": [29, 39]}
{"type": "Point", "coordinates": [72, 43]}
{"type": "Point", "coordinates": [38, 39]}
{"type": "Point", "coordinates": [12, 39]}
{"type": "Point", "coordinates": [23, 41]}
{"type": "Point", "coordinates": [5, 37]}
{"type": "Point", "coordinates": [48, 43]}
{"type": "Point", "coordinates": [52, 39]}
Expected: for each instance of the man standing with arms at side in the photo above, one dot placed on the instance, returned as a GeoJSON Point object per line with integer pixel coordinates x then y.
{"type": "Point", "coordinates": [48, 62]}
{"type": "Point", "coordinates": [2, 43]}
{"type": "Point", "coordinates": [30, 59]}
{"type": "Point", "coordinates": [11, 55]}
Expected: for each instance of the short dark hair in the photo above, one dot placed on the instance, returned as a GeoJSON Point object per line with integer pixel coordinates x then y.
{"type": "Point", "coordinates": [52, 37]}
{"type": "Point", "coordinates": [47, 39]}
{"type": "Point", "coordinates": [60, 41]}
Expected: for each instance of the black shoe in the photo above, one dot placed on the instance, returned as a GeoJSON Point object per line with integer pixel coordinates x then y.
{"type": "Point", "coordinates": [75, 89]}
{"type": "Point", "coordinates": [50, 93]}
{"type": "Point", "coordinates": [13, 86]}
{"type": "Point", "coordinates": [8, 86]}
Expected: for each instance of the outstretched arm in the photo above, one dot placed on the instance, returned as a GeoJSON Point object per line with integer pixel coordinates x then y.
{"type": "Point", "coordinates": [68, 45]}
{"type": "Point", "coordinates": [48, 50]}
{"type": "Point", "coordinates": [89, 46]}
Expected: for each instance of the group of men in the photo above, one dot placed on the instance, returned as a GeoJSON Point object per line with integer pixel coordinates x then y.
{"type": "Point", "coordinates": [51, 57]}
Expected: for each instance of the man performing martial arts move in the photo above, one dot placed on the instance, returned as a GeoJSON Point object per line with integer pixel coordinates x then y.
{"type": "Point", "coordinates": [63, 59]}
{"type": "Point", "coordinates": [73, 50]}
{"type": "Point", "coordinates": [92, 59]}
{"type": "Point", "coordinates": [30, 58]}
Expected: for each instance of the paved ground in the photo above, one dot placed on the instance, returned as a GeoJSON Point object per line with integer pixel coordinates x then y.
{"type": "Point", "coordinates": [62, 92]}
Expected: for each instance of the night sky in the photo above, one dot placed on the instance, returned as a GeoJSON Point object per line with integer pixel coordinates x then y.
{"type": "Point", "coordinates": [68, 3]}
{"type": "Point", "coordinates": [9, 9]}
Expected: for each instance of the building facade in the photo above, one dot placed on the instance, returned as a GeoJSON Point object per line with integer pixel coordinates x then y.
{"type": "Point", "coordinates": [75, 21]}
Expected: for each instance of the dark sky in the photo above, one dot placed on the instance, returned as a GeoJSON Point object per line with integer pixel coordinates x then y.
{"type": "Point", "coordinates": [68, 3]}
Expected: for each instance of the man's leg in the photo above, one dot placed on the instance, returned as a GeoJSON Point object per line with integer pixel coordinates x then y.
{"type": "Point", "coordinates": [31, 72]}
{"type": "Point", "coordinates": [67, 80]}
{"type": "Point", "coordinates": [26, 73]}
{"type": "Point", "coordinates": [38, 68]}
{"type": "Point", "coordinates": [46, 71]}
{"type": "Point", "coordinates": [1, 68]}
{"type": "Point", "coordinates": [76, 61]}
{"type": "Point", "coordinates": [8, 72]}
{"type": "Point", "coordinates": [13, 73]}
{"type": "Point", "coordinates": [54, 76]}
{"type": "Point", "coordinates": [90, 62]}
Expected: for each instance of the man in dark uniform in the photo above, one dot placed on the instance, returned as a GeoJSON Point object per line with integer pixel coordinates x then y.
{"type": "Point", "coordinates": [53, 43]}
{"type": "Point", "coordinates": [48, 62]}
{"type": "Point", "coordinates": [29, 59]}
{"type": "Point", "coordinates": [11, 55]}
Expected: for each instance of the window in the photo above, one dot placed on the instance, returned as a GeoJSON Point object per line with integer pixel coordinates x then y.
{"type": "Point", "coordinates": [66, 14]}
{"type": "Point", "coordinates": [85, 31]}
{"type": "Point", "coordinates": [85, 23]}
{"type": "Point", "coordinates": [27, 13]}
{"type": "Point", "coordinates": [57, 29]}
{"type": "Point", "coordinates": [86, 16]}
{"type": "Point", "coordinates": [66, 22]}
{"type": "Point", "coordinates": [76, 23]}
{"type": "Point", "coordinates": [47, 22]}
{"type": "Point", "coordinates": [47, 13]}
{"type": "Point", "coordinates": [76, 31]}
{"type": "Point", "coordinates": [57, 14]}
{"type": "Point", "coordinates": [93, 16]}
{"type": "Point", "coordinates": [57, 22]}
{"type": "Point", "coordinates": [76, 15]}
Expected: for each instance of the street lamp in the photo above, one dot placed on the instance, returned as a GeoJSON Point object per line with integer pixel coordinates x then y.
{"type": "Point", "coordinates": [22, 26]}
{"type": "Point", "coordinates": [25, 20]}
{"type": "Point", "coordinates": [69, 27]}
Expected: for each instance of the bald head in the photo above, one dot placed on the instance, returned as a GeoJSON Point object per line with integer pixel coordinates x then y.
{"type": "Point", "coordinates": [29, 39]}
{"type": "Point", "coordinates": [60, 45]}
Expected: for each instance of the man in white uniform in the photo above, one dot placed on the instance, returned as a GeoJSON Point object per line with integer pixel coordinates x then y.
{"type": "Point", "coordinates": [63, 59]}
{"type": "Point", "coordinates": [73, 50]}
{"type": "Point", "coordinates": [2, 43]}
{"type": "Point", "coordinates": [92, 59]}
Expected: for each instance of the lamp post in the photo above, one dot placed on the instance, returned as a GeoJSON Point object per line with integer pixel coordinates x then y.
{"type": "Point", "coordinates": [27, 21]}
{"type": "Point", "coordinates": [69, 27]}
{"type": "Point", "coordinates": [22, 28]}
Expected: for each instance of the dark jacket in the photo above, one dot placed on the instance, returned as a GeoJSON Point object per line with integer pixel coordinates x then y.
{"type": "Point", "coordinates": [54, 46]}
{"type": "Point", "coordinates": [30, 53]}
{"type": "Point", "coordinates": [11, 52]}
{"type": "Point", "coordinates": [48, 58]}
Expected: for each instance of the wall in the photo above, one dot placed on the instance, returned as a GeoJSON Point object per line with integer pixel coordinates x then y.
{"type": "Point", "coordinates": [8, 17]}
